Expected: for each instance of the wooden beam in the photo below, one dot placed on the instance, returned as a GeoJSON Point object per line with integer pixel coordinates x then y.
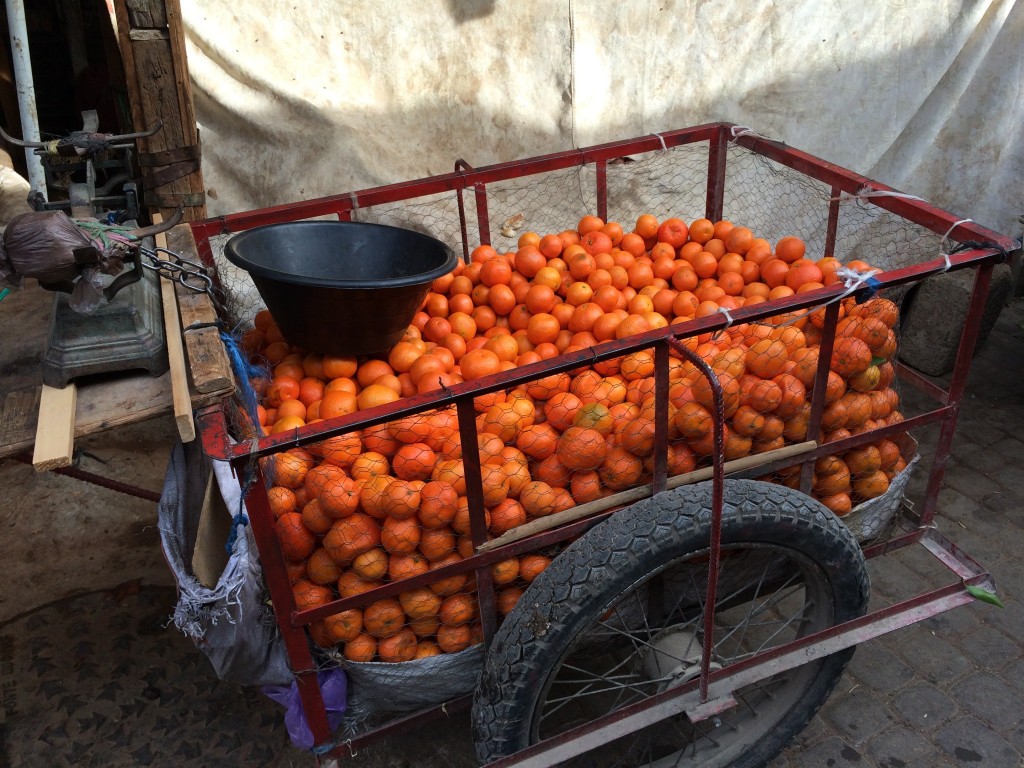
{"type": "Point", "coordinates": [55, 430]}
{"type": "Point", "coordinates": [207, 358]}
{"type": "Point", "coordinates": [208, 362]}
{"type": "Point", "coordinates": [152, 40]}
{"type": "Point", "coordinates": [180, 399]}
{"type": "Point", "coordinates": [182, 402]}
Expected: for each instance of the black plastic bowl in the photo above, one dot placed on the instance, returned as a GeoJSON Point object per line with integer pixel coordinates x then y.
{"type": "Point", "coordinates": [341, 287]}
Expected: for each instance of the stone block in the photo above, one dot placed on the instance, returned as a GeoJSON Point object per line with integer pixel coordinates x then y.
{"type": "Point", "coordinates": [971, 742]}
{"type": "Point", "coordinates": [934, 314]}
{"type": "Point", "coordinates": [924, 706]}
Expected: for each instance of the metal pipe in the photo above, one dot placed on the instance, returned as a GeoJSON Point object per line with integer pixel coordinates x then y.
{"type": "Point", "coordinates": [26, 92]}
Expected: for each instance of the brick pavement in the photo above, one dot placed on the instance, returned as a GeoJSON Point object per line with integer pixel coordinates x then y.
{"type": "Point", "coordinates": [102, 679]}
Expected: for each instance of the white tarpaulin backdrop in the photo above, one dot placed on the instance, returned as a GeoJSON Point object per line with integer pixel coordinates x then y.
{"type": "Point", "coordinates": [301, 100]}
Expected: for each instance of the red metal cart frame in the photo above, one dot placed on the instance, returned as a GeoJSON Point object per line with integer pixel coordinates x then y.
{"type": "Point", "coordinates": [709, 694]}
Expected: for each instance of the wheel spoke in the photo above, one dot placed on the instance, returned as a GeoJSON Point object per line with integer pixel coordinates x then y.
{"type": "Point", "coordinates": [597, 692]}
{"type": "Point", "coordinates": [628, 625]}
{"type": "Point", "coordinates": [767, 643]}
{"type": "Point", "coordinates": [588, 682]}
{"type": "Point", "coordinates": [757, 591]}
{"type": "Point", "coordinates": [757, 609]}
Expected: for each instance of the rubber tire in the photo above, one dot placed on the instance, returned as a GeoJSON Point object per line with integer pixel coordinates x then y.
{"type": "Point", "coordinates": [617, 554]}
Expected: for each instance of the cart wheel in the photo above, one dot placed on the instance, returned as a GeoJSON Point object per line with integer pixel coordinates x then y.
{"type": "Point", "coordinates": [618, 617]}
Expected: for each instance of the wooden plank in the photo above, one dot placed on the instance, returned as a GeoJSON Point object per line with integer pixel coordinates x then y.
{"type": "Point", "coordinates": [160, 101]}
{"type": "Point", "coordinates": [19, 412]}
{"type": "Point", "coordinates": [55, 430]}
{"type": "Point", "coordinates": [131, 76]}
{"type": "Point", "coordinates": [125, 400]}
{"type": "Point", "coordinates": [101, 405]}
{"type": "Point", "coordinates": [186, 105]}
{"type": "Point", "coordinates": [196, 309]}
{"type": "Point", "coordinates": [180, 399]}
{"type": "Point", "coordinates": [209, 558]}
{"type": "Point", "coordinates": [208, 362]}
{"type": "Point", "coordinates": [115, 67]}
{"type": "Point", "coordinates": [207, 358]}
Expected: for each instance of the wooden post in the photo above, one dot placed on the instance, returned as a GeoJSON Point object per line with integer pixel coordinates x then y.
{"type": "Point", "coordinates": [152, 41]}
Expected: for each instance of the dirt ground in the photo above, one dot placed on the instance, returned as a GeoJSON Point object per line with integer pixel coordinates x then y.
{"type": "Point", "coordinates": [64, 537]}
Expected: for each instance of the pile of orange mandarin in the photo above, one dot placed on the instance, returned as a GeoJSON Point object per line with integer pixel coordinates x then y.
{"type": "Point", "coordinates": [389, 502]}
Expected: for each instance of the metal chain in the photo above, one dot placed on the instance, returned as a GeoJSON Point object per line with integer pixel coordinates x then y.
{"type": "Point", "coordinates": [180, 270]}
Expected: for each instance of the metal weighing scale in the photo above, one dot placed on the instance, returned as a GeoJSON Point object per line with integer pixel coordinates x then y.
{"type": "Point", "coordinates": [127, 331]}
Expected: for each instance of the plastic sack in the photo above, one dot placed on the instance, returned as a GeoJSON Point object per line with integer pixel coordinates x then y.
{"type": "Point", "coordinates": [230, 622]}
{"type": "Point", "coordinates": [87, 295]}
{"type": "Point", "coordinates": [333, 688]}
{"type": "Point", "coordinates": [378, 688]}
{"type": "Point", "coordinates": [41, 244]}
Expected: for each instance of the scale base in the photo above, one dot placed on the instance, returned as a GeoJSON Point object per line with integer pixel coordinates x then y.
{"type": "Point", "coordinates": [126, 333]}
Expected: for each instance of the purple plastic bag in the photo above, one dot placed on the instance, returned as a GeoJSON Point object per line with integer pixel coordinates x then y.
{"type": "Point", "coordinates": [333, 687]}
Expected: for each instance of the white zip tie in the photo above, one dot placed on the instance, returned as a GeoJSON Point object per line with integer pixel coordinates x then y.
{"type": "Point", "coordinates": [742, 130]}
{"type": "Point", "coordinates": [867, 194]}
{"type": "Point", "coordinates": [728, 322]}
{"type": "Point", "coordinates": [948, 264]}
{"type": "Point", "coordinates": [852, 281]}
{"type": "Point", "coordinates": [664, 146]}
{"type": "Point", "coordinates": [945, 237]}
{"type": "Point", "coordinates": [355, 201]}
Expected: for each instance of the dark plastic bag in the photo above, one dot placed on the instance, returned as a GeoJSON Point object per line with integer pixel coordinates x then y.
{"type": "Point", "coordinates": [41, 244]}
{"type": "Point", "coordinates": [333, 688]}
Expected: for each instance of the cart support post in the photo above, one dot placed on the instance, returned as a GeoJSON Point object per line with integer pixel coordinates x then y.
{"type": "Point", "coordinates": [601, 181]}
{"type": "Point", "coordinates": [258, 505]}
{"type": "Point", "coordinates": [965, 352]}
{"type": "Point", "coordinates": [819, 387]}
{"type": "Point", "coordinates": [717, 493]}
{"type": "Point", "coordinates": [660, 479]}
{"type": "Point", "coordinates": [461, 166]}
{"type": "Point", "coordinates": [718, 151]}
{"type": "Point", "coordinates": [833, 222]}
{"type": "Point", "coordinates": [477, 512]}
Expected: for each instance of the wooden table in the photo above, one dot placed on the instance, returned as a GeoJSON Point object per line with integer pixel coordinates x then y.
{"type": "Point", "coordinates": [102, 402]}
